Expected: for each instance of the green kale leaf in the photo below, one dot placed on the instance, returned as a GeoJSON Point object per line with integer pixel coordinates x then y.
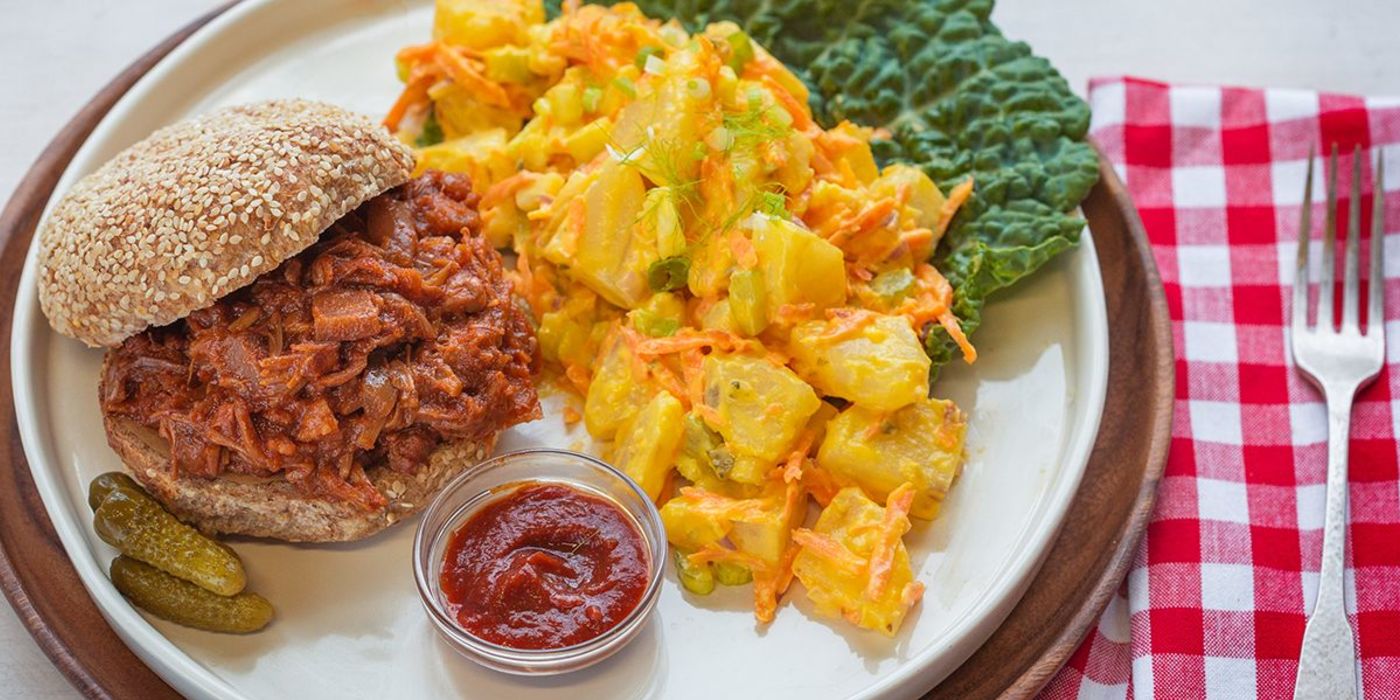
{"type": "Point", "coordinates": [959, 99]}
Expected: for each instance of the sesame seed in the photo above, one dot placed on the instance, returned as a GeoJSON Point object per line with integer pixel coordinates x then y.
{"type": "Point", "coordinates": [171, 208]}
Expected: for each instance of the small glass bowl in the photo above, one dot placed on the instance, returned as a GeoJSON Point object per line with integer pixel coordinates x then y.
{"type": "Point", "coordinates": [496, 477]}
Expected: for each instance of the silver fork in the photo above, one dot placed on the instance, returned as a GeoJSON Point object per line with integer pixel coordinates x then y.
{"type": "Point", "coordinates": [1339, 362]}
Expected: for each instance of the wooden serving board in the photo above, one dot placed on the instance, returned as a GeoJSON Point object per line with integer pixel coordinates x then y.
{"type": "Point", "coordinates": [1082, 570]}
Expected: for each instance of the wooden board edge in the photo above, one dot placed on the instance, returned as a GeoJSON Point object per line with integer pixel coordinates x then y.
{"type": "Point", "coordinates": [17, 222]}
{"type": "Point", "coordinates": [1163, 382]}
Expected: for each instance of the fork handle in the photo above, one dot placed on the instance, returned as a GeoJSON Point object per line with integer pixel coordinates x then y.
{"type": "Point", "coordinates": [1327, 665]}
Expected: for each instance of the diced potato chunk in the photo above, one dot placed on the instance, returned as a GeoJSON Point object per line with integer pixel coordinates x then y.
{"type": "Point", "coordinates": [881, 366]}
{"type": "Point", "coordinates": [836, 575]}
{"type": "Point", "coordinates": [661, 316]}
{"type": "Point", "coordinates": [603, 250]}
{"type": "Point", "coordinates": [748, 301]}
{"type": "Point", "coordinates": [647, 445]}
{"type": "Point", "coordinates": [616, 392]}
{"type": "Point", "coordinates": [710, 263]}
{"type": "Point", "coordinates": [481, 155]}
{"type": "Point", "coordinates": [761, 406]}
{"type": "Point", "coordinates": [658, 132]}
{"type": "Point", "coordinates": [924, 196]}
{"type": "Point", "coordinates": [483, 24]}
{"type": "Point", "coordinates": [921, 444]}
{"type": "Point", "coordinates": [697, 518]}
{"type": "Point", "coordinates": [760, 526]}
{"type": "Point", "coordinates": [799, 266]}
{"type": "Point", "coordinates": [765, 532]}
{"type": "Point", "coordinates": [718, 317]}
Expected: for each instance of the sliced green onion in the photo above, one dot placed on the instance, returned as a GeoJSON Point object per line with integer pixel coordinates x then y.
{"type": "Point", "coordinates": [591, 97]}
{"type": "Point", "coordinates": [647, 52]}
{"type": "Point", "coordinates": [740, 51]}
{"type": "Point", "coordinates": [626, 85]}
{"type": "Point", "coordinates": [667, 274]}
{"type": "Point", "coordinates": [431, 135]}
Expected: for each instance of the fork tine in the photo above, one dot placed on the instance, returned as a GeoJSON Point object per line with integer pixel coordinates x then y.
{"type": "Point", "coordinates": [1351, 282]}
{"type": "Point", "coordinates": [1326, 316]}
{"type": "Point", "coordinates": [1375, 312]}
{"type": "Point", "coordinates": [1300, 279]}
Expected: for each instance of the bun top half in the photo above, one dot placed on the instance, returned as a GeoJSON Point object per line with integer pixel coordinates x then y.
{"type": "Point", "coordinates": [203, 207]}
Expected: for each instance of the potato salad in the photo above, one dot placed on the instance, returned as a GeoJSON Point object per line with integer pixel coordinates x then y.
{"type": "Point", "coordinates": [737, 295]}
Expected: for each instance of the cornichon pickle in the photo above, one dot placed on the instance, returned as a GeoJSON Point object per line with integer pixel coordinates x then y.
{"type": "Point", "coordinates": [180, 601]}
{"type": "Point", "coordinates": [135, 524]}
{"type": "Point", "coordinates": [731, 574]}
{"type": "Point", "coordinates": [696, 578]}
{"type": "Point", "coordinates": [105, 483]}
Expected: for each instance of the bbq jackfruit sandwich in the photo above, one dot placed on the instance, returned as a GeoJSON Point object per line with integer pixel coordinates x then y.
{"type": "Point", "coordinates": [303, 341]}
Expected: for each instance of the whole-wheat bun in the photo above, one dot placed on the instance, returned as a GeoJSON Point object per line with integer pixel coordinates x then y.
{"type": "Point", "coordinates": [274, 508]}
{"type": "Point", "coordinates": [201, 208]}
{"type": "Point", "coordinates": [190, 214]}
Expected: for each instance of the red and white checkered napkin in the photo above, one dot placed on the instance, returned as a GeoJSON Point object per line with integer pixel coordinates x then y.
{"type": "Point", "coordinates": [1218, 596]}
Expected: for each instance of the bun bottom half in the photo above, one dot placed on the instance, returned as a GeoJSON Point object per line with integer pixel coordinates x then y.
{"type": "Point", "coordinates": [274, 508]}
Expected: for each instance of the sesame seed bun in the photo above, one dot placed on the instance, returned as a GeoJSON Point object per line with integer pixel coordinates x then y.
{"type": "Point", "coordinates": [274, 508]}
{"type": "Point", "coordinates": [203, 207]}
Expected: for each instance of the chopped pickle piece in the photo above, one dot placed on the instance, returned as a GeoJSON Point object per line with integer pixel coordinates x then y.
{"type": "Point", "coordinates": [696, 578]}
{"type": "Point", "coordinates": [730, 573]}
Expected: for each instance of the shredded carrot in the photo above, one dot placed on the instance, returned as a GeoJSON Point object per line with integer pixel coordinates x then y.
{"type": "Point", "coordinates": [892, 527]}
{"type": "Point", "coordinates": [919, 241]}
{"type": "Point", "coordinates": [801, 118]}
{"type": "Point", "coordinates": [466, 74]}
{"type": "Point", "coordinates": [770, 582]}
{"type": "Point", "coordinates": [670, 382]}
{"type": "Point", "coordinates": [712, 553]}
{"type": "Point", "coordinates": [692, 362]}
{"type": "Point", "coordinates": [792, 468]}
{"type": "Point", "coordinates": [955, 200]}
{"type": "Point", "coordinates": [846, 322]}
{"type": "Point", "coordinates": [578, 376]}
{"type": "Point", "coordinates": [688, 339]}
{"type": "Point", "coordinates": [820, 483]}
{"type": "Point", "coordinates": [950, 323]}
{"type": "Point", "coordinates": [414, 94]}
{"type": "Point", "coordinates": [742, 248]}
{"type": "Point", "coordinates": [571, 415]}
{"type": "Point", "coordinates": [870, 217]}
{"type": "Point", "coordinates": [505, 189]}
{"type": "Point", "coordinates": [416, 53]}
{"type": "Point", "coordinates": [795, 313]}
{"type": "Point", "coordinates": [827, 548]}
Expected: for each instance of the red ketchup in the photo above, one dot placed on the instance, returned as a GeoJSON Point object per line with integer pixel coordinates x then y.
{"type": "Point", "coordinates": [545, 567]}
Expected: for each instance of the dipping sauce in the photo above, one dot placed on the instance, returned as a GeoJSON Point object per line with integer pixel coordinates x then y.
{"type": "Point", "coordinates": [544, 567]}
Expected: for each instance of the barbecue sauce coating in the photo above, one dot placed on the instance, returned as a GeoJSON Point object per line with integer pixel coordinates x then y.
{"type": "Point", "coordinates": [545, 567]}
{"type": "Point", "coordinates": [395, 332]}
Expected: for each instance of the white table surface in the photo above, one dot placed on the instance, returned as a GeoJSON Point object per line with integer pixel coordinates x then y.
{"type": "Point", "coordinates": [55, 54]}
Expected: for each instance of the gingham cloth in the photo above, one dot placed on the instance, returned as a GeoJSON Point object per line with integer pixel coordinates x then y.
{"type": "Point", "coordinates": [1215, 603]}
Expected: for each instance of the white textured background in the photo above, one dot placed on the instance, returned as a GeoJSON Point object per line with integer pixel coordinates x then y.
{"type": "Point", "coordinates": [54, 54]}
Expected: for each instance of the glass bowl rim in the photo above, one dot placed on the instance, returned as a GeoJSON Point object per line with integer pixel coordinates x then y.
{"type": "Point", "coordinates": [424, 542]}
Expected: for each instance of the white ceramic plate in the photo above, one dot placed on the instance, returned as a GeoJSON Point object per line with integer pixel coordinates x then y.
{"type": "Point", "coordinates": [349, 622]}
